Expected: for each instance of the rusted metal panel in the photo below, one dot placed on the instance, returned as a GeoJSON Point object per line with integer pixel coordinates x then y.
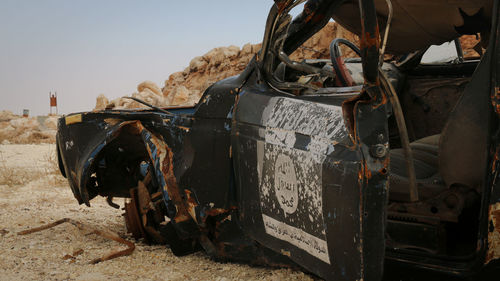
{"type": "Point", "coordinates": [265, 173]}
{"type": "Point", "coordinates": [305, 164]}
{"type": "Point", "coordinates": [493, 217]}
{"type": "Point", "coordinates": [369, 42]}
{"type": "Point", "coordinates": [493, 233]}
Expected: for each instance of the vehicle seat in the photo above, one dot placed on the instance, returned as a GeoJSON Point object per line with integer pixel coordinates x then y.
{"type": "Point", "coordinates": [426, 162]}
{"type": "Point", "coordinates": [463, 146]}
{"type": "Point", "coordinates": [458, 155]}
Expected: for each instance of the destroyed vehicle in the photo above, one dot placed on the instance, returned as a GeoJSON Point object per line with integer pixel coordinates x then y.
{"type": "Point", "coordinates": [333, 165]}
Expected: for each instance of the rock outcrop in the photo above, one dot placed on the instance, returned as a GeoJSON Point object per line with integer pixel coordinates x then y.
{"type": "Point", "coordinates": [184, 88]}
{"type": "Point", "coordinates": [101, 102]}
{"type": "Point", "coordinates": [6, 116]}
{"type": "Point", "coordinates": [17, 129]}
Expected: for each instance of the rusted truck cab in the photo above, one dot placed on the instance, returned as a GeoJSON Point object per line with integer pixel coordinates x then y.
{"type": "Point", "coordinates": [332, 165]}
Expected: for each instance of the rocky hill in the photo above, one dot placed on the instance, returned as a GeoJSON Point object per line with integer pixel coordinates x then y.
{"type": "Point", "coordinates": [184, 88]}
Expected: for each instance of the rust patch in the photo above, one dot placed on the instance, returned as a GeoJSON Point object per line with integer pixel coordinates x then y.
{"type": "Point", "coordinates": [282, 5]}
{"type": "Point", "coordinates": [134, 128]}
{"type": "Point", "coordinates": [167, 168]}
{"type": "Point", "coordinates": [165, 156]}
{"type": "Point", "coordinates": [132, 217]}
{"type": "Point", "coordinates": [495, 100]}
{"type": "Point", "coordinates": [364, 172]}
{"type": "Point", "coordinates": [73, 256]}
{"type": "Point", "coordinates": [495, 160]}
{"type": "Point", "coordinates": [191, 204]}
{"type": "Point", "coordinates": [348, 107]}
{"type": "Point", "coordinates": [382, 100]}
{"type": "Point", "coordinates": [367, 173]}
{"type": "Point", "coordinates": [236, 101]}
{"type": "Point", "coordinates": [216, 211]}
{"type": "Point", "coordinates": [386, 164]}
{"type": "Point", "coordinates": [314, 17]}
{"type": "Point", "coordinates": [360, 175]}
{"type": "Point", "coordinates": [383, 171]}
{"type": "Point", "coordinates": [493, 233]}
{"type": "Point", "coordinates": [368, 41]}
{"type": "Point", "coordinates": [112, 121]}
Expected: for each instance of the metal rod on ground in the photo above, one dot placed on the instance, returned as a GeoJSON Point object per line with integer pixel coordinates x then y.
{"type": "Point", "coordinates": [103, 233]}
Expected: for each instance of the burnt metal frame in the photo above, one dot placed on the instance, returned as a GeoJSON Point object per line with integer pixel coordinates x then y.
{"type": "Point", "coordinates": [170, 136]}
{"type": "Point", "coordinates": [490, 202]}
{"type": "Point", "coordinates": [365, 135]}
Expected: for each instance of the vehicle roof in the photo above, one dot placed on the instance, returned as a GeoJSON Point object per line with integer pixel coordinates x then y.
{"type": "Point", "coordinates": [415, 24]}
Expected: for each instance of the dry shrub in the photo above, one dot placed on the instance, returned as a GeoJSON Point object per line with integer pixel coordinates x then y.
{"type": "Point", "coordinates": [12, 176]}
{"type": "Point", "coordinates": [52, 168]}
{"type": "Point", "coordinates": [6, 135]}
{"type": "Point", "coordinates": [15, 176]}
{"type": "Point", "coordinates": [29, 137]}
{"type": "Point", "coordinates": [41, 137]}
{"type": "Point", "coordinates": [9, 176]}
{"type": "Point", "coordinates": [52, 162]}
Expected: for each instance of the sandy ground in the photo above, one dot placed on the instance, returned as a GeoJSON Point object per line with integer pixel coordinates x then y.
{"type": "Point", "coordinates": [33, 193]}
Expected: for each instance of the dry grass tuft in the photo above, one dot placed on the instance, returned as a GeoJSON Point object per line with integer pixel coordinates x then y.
{"type": "Point", "coordinates": [52, 168]}
{"type": "Point", "coordinates": [52, 162]}
{"type": "Point", "coordinates": [12, 176]}
{"type": "Point", "coordinates": [9, 176]}
{"type": "Point", "coordinates": [41, 137]}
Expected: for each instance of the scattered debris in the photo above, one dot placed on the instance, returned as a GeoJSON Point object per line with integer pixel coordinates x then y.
{"type": "Point", "coordinates": [103, 233]}
{"type": "Point", "coordinates": [74, 255]}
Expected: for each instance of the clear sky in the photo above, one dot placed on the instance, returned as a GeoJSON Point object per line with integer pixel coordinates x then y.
{"type": "Point", "coordinates": [81, 48]}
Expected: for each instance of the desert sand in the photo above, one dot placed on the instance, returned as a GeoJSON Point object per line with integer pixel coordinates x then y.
{"type": "Point", "coordinates": [33, 193]}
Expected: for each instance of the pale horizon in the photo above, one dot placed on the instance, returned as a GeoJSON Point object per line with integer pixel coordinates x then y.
{"type": "Point", "coordinates": [81, 49]}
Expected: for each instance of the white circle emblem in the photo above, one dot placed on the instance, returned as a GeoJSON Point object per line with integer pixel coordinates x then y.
{"type": "Point", "coordinates": [285, 185]}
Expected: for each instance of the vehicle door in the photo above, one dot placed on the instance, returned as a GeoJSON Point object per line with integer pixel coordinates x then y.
{"type": "Point", "coordinates": [308, 183]}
